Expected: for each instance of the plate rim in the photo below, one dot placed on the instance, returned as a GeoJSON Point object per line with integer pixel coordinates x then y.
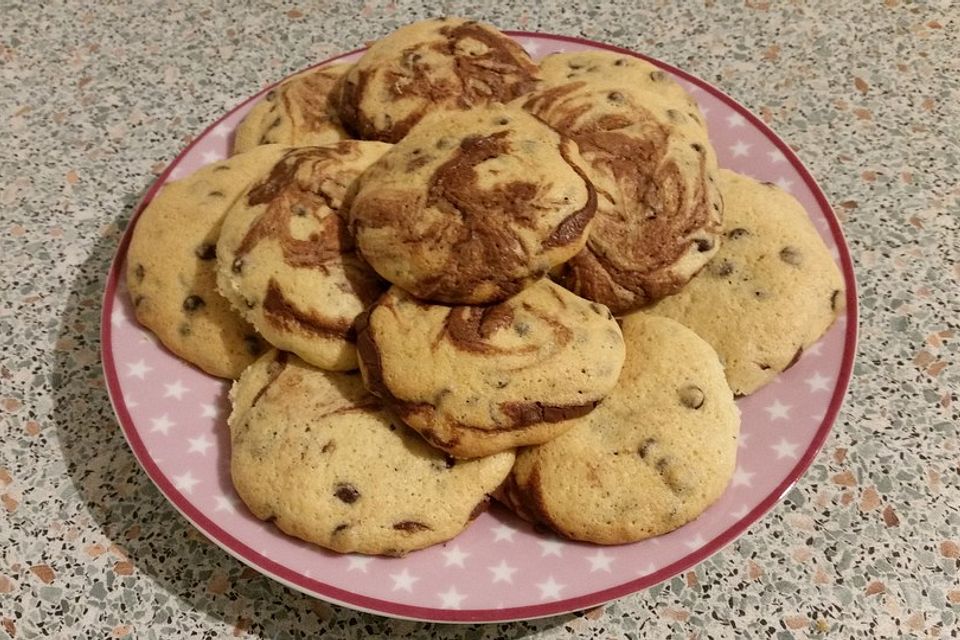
{"type": "Point", "coordinates": [336, 595]}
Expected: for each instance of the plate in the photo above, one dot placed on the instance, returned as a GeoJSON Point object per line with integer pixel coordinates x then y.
{"type": "Point", "coordinates": [499, 569]}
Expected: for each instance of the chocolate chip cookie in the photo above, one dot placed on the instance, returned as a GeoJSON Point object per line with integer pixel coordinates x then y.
{"type": "Point", "coordinates": [286, 261]}
{"type": "Point", "coordinates": [312, 451]}
{"type": "Point", "coordinates": [171, 266]}
{"type": "Point", "coordinates": [477, 380]}
{"type": "Point", "coordinates": [472, 206]}
{"type": "Point", "coordinates": [771, 291]}
{"type": "Point", "coordinates": [653, 456]}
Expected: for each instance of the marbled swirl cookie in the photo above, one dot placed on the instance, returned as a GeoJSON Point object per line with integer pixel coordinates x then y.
{"type": "Point", "coordinates": [477, 380]}
{"type": "Point", "coordinates": [171, 266]}
{"type": "Point", "coordinates": [297, 112]}
{"type": "Point", "coordinates": [434, 65]}
{"type": "Point", "coordinates": [314, 452]}
{"type": "Point", "coordinates": [659, 210]}
{"type": "Point", "coordinates": [286, 261]}
{"type": "Point", "coordinates": [651, 457]}
{"type": "Point", "coordinates": [771, 291]}
{"type": "Point", "coordinates": [472, 206]}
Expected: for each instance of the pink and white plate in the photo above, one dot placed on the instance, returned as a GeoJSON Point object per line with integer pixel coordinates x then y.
{"type": "Point", "coordinates": [500, 569]}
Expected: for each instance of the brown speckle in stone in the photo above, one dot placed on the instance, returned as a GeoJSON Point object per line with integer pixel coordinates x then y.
{"type": "Point", "coordinates": [139, 272]}
{"type": "Point", "coordinates": [721, 267]}
{"type": "Point", "coordinates": [192, 303]}
{"type": "Point", "coordinates": [410, 526]}
{"type": "Point", "coordinates": [346, 492]}
{"type": "Point", "coordinates": [691, 396]}
{"type": "Point", "coordinates": [703, 244]}
{"type": "Point", "coordinates": [657, 76]}
{"type": "Point", "coordinates": [206, 251]}
{"type": "Point", "coordinates": [736, 234]}
{"type": "Point", "coordinates": [791, 256]}
{"type": "Point", "coordinates": [237, 265]}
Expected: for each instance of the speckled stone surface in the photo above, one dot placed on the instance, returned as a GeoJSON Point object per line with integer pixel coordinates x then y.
{"type": "Point", "coordinates": [95, 101]}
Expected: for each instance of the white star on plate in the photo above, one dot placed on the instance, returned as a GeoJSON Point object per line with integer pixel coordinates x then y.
{"type": "Point", "coordinates": [740, 149]}
{"type": "Point", "coordinates": [503, 572]}
{"type": "Point", "coordinates": [224, 504]}
{"type": "Point", "coordinates": [175, 390]}
{"type": "Point", "coordinates": [783, 183]}
{"type": "Point", "coordinates": [451, 599]}
{"type": "Point", "coordinates": [175, 173]}
{"type": "Point", "coordinates": [359, 563]}
{"type": "Point", "coordinates": [454, 557]}
{"type": "Point", "coordinates": [743, 478]}
{"type": "Point", "coordinates": [208, 411]}
{"type": "Point", "coordinates": [185, 482]}
{"type": "Point", "coordinates": [735, 120]}
{"type": "Point", "coordinates": [503, 532]}
{"type": "Point", "coordinates": [647, 569]}
{"type": "Point", "coordinates": [600, 561]}
{"type": "Point", "coordinates": [778, 410]}
{"type": "Point", "coordinates": [814, 349]}
{"type": "Point", "coordinates": [532, 47]}
{"type": "Point", "coordinates": [199, 445]}
{"type": "Point", "coordinates": [138, 369]}
{"type": "Point", "coordinates": [817, 382]}
{"type": "Point", "coordinates": [776, 156]}
{"type": "Point", "coordinates": [162, 424]}
{"type": "Point", "coordinates": [785, 449]}
{"type": "Point", "coordinates": [550, 548]}
{"type": "Point", "coordinates": [741, 441]}
{"type": "Point", "coordinates": [211, 156]}
{"type": "Point", "coordinates": [704, 111]}
{"type": "Point", "coordinates": [550, 589]}
{"type": "Point", "coordinates": [695, 542]}
{"type": "Point", "coordinates": [220, 131]}
{"type": "Point", "coordinates": [117, 317]}
{"type": "Point", "coordinates": [741, 512]}
{"type": "Point", "coordinates": [131, 403]}
{"type": "Point", "coordinates": [403, 581]}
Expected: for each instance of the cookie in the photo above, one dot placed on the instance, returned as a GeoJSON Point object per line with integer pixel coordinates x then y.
{"type": "Point", "coordinates": [659, 211]}
{"type": "Point", "coordinates": [771, 291]}
{"type": "Point", "coordinates": [171, 266]}
{"type": "Point", "coordinates": [286, 261]}
{"type": "Point", "coordinates": [297, 112]}
{"type": "Point", "coordinates": [472, 206]}
{"type": "Point", "coordinates": [478, 380]}
{"type": "Point", "coordinates": [435, 65]}
{"type": "Point", "coordinates": [314, 452]}
{"type": "Point", "coordinates": [651, 457]}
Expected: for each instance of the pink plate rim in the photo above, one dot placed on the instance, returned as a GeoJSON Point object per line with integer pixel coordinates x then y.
{"type": "Point", "coordinates": [378, 606]}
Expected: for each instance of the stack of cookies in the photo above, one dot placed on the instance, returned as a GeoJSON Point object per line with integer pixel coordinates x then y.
{"type": "Point", "coordinates": [446, 273]}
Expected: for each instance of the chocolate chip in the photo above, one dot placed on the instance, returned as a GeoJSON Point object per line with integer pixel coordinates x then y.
{"type": "Point", "coordinates": [674, 115]}
{"type": "Point", "coordinates": [250, 303]}
{"type": "Point", "coordinates": [346, 492]}
{"type": "Point", "coordinates": [137, 300]}
{"type": "Point", "coordinates": [657, 76]}
{"type": "Point", "coordinates": [444, 143]}
{"type": "Point", "coordinates": [696, 146]}
{"type": "Point", "coordinates": [503, 121]}
{"type": "Point", "coordinates": [276, 122]}
{"type": "Point", "coordinates": [619, 62]}
{"type": "Point", "coordinates": [834, 299]}
{"type": "Point", "coordinates": [761, 295]}
{"type": "Point", "coordinates": [768, 184]}
{"type": "Point", "coordinates": [691, 396]}
{"type": "Point", "coordinates": [272, 94]}
{"type": "Point", "coordinates": [215, 194]}
{"type": "Point", "coordinates": [299, 210]}
{"type": "Point", "coordinates": [328, 446]}
{"type": "Point", "coordinates": [615, 96]}
{"type": "Point", "coordinates": [721, 267]}
{"type": "Point", "coordinates": [703, 244]}
{"type": "Point", "coordinates": [521, 329]}
{"type": "Point", "coordinates": [449, 460]}
{"type": "Point", "coordinates": [341, 527]}
{"type": "Point", "coordinates": [206, 251]}
{"type": "Point", "coordinates": [184, 329]}
{"type": "Point", "coordinates": [795, 358]}
{"type": "Point", "coordinates": [573, 64]}
{"type": "Point", "coordinates": [253, 344]}
{"type": "Point", "coordinates": [222, 167]}
{"type": "Point", "coordinates": [192, 303]}
{"type": "Point", "coordinates": [791, 255]}
{"type": "Point", "coordinates": [763, 366]}
{"type": "Point", "coordinates": [237, 265]}
{"type": "Point", "coordinates": [644, 447]}
{"type": "Point", "coordinates": [736, 234]}
{"type": "Point", "coordinates": [139, 272]}
{"type": "Point", "coordinates": [410, 526]}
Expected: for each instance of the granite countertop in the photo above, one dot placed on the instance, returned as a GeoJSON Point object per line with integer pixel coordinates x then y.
{"type": "Point", "coordinates": [95, 100]}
